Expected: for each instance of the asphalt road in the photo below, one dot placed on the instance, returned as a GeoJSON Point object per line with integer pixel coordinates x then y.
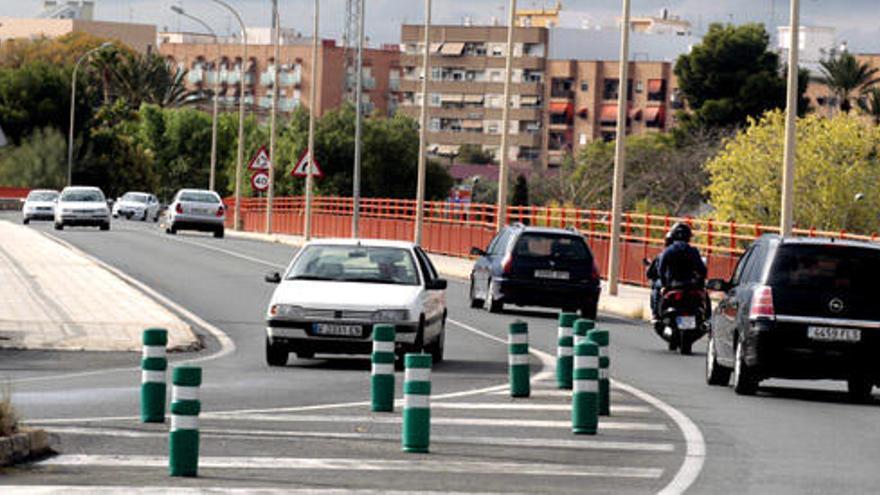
{"type": "Point", "coordinates": [794, 437]}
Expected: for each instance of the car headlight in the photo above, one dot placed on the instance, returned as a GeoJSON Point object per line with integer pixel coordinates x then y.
{"type": "Point", "coordinates": [391, 315]}
{"type": "Point", "coordinates": [286, 311]}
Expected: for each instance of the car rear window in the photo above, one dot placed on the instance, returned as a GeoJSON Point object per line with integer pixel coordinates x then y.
{"type": "Point", "coordinates": [140, 198]}
{"type": "Point", "coordinates": [552, 245]}
{"type": "Point", "coordinates": [82, 195]}
{"type": "Point", "coordinates": [382, 265]}
{"type": "Point", "coordinates": [42, 196]}
{"type": "Point", "coordinates": [830, 267]}
{"type": "Point", "coordinates": [199, 197]}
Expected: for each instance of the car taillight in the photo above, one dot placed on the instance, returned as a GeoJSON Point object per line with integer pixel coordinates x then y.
{"type": "Point", "coordinates": [179, 208]}
{"type": "Point", "coordinates": [762, 303]}
{"type": "Point", "coordinates": [675, 295]}
{"type": "Point", "coordinates": [220, 211]}
{"type": "Point", "coordinates": [507, 264]}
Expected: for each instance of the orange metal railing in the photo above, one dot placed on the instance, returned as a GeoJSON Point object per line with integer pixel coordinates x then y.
{"type": "Point", "coordinates": [452, 229]}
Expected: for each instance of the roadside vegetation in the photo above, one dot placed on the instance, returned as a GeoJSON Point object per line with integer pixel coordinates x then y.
{"type": "Point", "coordinates": [8, 415]}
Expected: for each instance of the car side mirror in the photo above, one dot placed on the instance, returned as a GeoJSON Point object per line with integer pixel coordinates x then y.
{"type": "Point", "coordinates": [475, 251]}
{"type": "Point", "coordinates": [438, 284]}
{"type": "Point", "coordinates": [718, 285]}
{"type": "Point", "coordinates": [273, 278]}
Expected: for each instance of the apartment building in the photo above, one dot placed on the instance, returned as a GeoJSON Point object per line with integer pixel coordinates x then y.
{"type": "Point", "coordinates": [140, 37]}
{"type": "Point", "coordinates": [213, 63]}
{"type": "Point", "coordinates": [466, 87]}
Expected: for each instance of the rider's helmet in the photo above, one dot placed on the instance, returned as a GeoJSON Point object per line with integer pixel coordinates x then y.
{"type": "Point", "coordinates": [679, 232]}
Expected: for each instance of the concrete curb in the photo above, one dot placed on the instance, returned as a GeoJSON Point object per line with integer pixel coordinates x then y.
{"type": "Point", "coordinates": [460, 268]}
{"type": "Point", "coordinates": [25, 445]}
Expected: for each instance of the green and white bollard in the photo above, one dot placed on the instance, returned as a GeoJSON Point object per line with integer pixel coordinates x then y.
{"type": "Point", "coordinates": [518, 359]}
{"type": "Point", "coordinates": [601, 338]}
{"type": "Point", "coordinates": [417, 403]}
{"type": "Point", "coordinates": [153, 367]}
{"type": "Point", "coordinates": [183, 445]}
{"type": "Point", "coordinates": [581, 328]}
{"type": "Point", "coordinates": [585, 396]}
{"type": "Point", "coordinates": [564, 350]}
{"type": "Point", "coordinates": [382, 378]}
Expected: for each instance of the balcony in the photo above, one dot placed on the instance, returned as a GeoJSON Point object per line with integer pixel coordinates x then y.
{"type": "Point", "coordinates": [195, 76]}
{"type": "Point", "coordinates": [394, 84]}
{"type": "Point", "coordinates": [288, 104]}
{"type": "Point", "coordinates": [290, 78]}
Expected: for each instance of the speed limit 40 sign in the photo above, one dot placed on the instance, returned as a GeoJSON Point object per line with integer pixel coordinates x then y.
{"type": "Point", "coordinates": [260, 181]}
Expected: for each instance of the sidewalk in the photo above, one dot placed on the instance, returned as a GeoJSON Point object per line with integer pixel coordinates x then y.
{"type": "Point", "coordinates": [52, 297]}
{"type": "Point", "coordinates": [630, 302]}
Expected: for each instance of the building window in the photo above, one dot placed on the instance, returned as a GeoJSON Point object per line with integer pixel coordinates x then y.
{"type": "Point", "coordinates": [498, 50]}
{"type": "Point", "coordinates": [608, 136]}
{"type": "Point", "coordinates": [656, 90]}
{"type": "Point", "coordinates": [434, 125]}
{"type": "Point", "coordinates": [561, 88]}
{"type": "Point", "coordinates": [585, 86]}
{"type": "Point", "coordinates": [434, 100]}
{"type": "Point", "coordinates": [492, 127]}
{"type": "Point", "coordinates": [610, 89]}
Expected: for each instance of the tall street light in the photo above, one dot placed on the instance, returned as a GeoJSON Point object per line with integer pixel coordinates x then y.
{"type": "Point", "coordinates": [86, 55]}
{"type": "Point", "coordinates": [788, 165]}
{"type": "Point", "coordinates": [619, 154]}
{"type": "Point", "coordinates": [505, 120]}
{"type": "Point", "coordinates": [358, 125]}
{"type": "Point", "coordinates": [313, 97]}
{"type": "Point", "coordinates": [423, 127]}
{"type": "Point", "coordinates": [276, 40]}
{"type": "Point", "coordinates": [238, 165]}
{"type": "Point", "coordinates": [212, 177]}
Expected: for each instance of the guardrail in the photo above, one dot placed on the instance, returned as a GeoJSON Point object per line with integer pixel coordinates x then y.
{"type": "Point", "coordinates": [452, 229]}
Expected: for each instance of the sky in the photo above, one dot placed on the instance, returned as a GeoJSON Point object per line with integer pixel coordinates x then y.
{"type": "Point", "coordinates": [855, 20]}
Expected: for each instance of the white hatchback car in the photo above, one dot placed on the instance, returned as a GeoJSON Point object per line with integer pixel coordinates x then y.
{"type": "Point", "coordinates": [335, 290]}
{"type": "Point", "coordinates": [39, 205]}
{"type": "Point", "coordinates": [82, 206]}
{"type": "Point", "coordinates": [137, 205]}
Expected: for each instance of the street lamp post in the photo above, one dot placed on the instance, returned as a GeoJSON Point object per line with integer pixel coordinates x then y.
{"type": "Point", "coordinates": [423, 127]}
{"type": "Point", "coordinates": [619, 154]}
{"type": "Point", "coordinates": [787, 216]}
{"type": "Point", "coordinates": [313, 97]}
{"type": "Point", "coordinates": [86, 55]}
{"type": "Point", "coordinates": [358, 126]}
{"type": "Point", "coordinates": [213, 173]}
{"type": "Point", "coordinates": [240, 155]}
{"type": "Point", "coordinates": [276, 40]}
{"type": "Point", "coordinates": [505, 120]}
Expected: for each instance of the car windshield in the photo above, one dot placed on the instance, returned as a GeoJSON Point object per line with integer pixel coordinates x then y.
{"type": "Point", "coordinates": [557, 246]}
{"type": "Point", "coordinates": [135, 197]}
{"type": "Point", "coordinates": [82, 195]}
{"type": "Point", "coordinates": [42, 196]}
{"type": "Point", "coordinates": [832, 267]}
{"type": "Point", "coordinates": [381, 265]}
{"type": "Point", "coordinates": [199, 197]}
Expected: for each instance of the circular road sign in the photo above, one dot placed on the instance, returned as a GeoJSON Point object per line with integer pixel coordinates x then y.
{"type": "Point", "coordinates": [260, 181]}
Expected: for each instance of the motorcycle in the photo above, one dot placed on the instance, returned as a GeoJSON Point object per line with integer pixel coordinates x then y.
{"type": "Point", "coordinates": [683, 319]}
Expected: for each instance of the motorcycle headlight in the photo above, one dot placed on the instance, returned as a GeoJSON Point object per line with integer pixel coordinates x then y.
{"type": "Point", "coordinates": [390, 315]}
{"type": "Point", "coordinates": [286, 311]}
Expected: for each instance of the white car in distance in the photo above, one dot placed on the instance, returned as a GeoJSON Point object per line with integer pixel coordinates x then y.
{"type": "Point", "coordinates": [137, 205]}
{"type": "Point", "coordinates": [80, 205]}
{"type": "Point", "coordinates": [39, 205]}
{"type": "Point", "coordinates": [335, 291]}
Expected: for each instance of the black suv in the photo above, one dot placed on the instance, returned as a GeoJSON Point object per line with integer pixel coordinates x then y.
{"type": "Point", "coordinates": [798, 308]}
{"type": "Point", "coordinates": [534, 266]}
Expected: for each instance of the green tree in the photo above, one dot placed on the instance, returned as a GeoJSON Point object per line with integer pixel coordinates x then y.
{"type": "Point", "coordinates": [40, 161]}
{"type": "Point", "coordinates": [844, 75]}
{"type": "Point", "coordinates": [836, 160]}
{"type": "Point", "coordinates": [474, 153]}
{"type": "Point", "coordinates": [520, 191]}
{"type": "Point", "coordinates": [147, 78]}
{"type": "Point", "coordinates": [729, 76]}
{"type": "Point", "coordinates": [869, 103]}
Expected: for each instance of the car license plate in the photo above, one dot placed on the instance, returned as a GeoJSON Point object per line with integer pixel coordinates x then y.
{"type": "Point", "coordinates": [335, 330]}
{"type": "Point", "coordinates": [686, 322]}
{"type": "Point", "coordinates": [834, 334]}
{"type": "Point", "coordinates": [201, 211]}
{"type": "Point", "coordinates": [551, 274]}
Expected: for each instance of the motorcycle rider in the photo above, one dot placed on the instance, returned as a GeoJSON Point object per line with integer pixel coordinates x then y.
{"type": "Point", "coordinates": [679, 265]}
{"type": "Point", "coordinates": [653, 275]}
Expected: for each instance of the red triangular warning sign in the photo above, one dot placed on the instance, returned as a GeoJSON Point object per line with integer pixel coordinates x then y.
{"type": "Point", "coordinates": [302, 166]}
{"type": "Point", "coordinates": [260, 161]}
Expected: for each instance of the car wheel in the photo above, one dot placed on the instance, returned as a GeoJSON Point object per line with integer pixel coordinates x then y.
{"type": "Point", "coordinates": [218, 233]}
{"type": "Point", "coordinates": [146, 214]}
{"type": "Point", "coordinates": [493, 305]}
{"type": "Point", "coordinates": [156, 218]}
{"type": "Point", "coordinates": [715, 373]}
{"type": "Point", "coordinates": [172, 230]}
{"type": "Point", "coordinates": [437, 347]}
{"type": "Point", "coordinates": [105, 226]}
{"type": "Point", "coordinates": [476, 303]}
{"type": "Point", "coordinates": [672, 345]}
{"type": "Point", "coordinates": [589, 311]}
{"type": "Point", "coordinates": [276, 355]}
{"type": "Point", "coordinates": [745, 382]}
{"type": "Point", "coordinates": [859, 389]}
{"type": "Point", "coordinates": [59, 226]}
{"type": "Point", "coordinates": [26, 221]}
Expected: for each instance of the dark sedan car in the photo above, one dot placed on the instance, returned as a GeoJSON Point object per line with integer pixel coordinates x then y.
{"type": "Point", "coordinates": [534, 266]}
{"type": "Point", "coordinates": [798, 308]}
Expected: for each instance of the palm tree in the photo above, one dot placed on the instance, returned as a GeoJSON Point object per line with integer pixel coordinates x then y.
{"type": "Point", "coordinates": [844, 75]}
{"type": "Point", "coordinates": [870, 103]}
{"type": "Point", "coordinates": [148, 78]}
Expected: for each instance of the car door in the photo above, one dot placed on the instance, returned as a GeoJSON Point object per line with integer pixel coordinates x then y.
{"type": "Point", "coordinates": [483, 266]}
{"type": "Point", "coordinates": [434, 300]}
{"type": "Point", "coordinates": [724, 318]}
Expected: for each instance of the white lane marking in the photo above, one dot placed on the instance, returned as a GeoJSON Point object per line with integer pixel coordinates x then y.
{"type": "Point", "coordinates": [384, 465]}
{"type": "Point", "coordinates": [498, 406]}
{"type": "Point", "coordinates": [224, 251]}
{"type": "Point", "coordinates": [548, 393]}
{"type": "Point", "coordinates": [441, 421]}
{"type": "Point", "coordinates": [218, 490]}
{"type": "Point", "coordinates": [547, 443]}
